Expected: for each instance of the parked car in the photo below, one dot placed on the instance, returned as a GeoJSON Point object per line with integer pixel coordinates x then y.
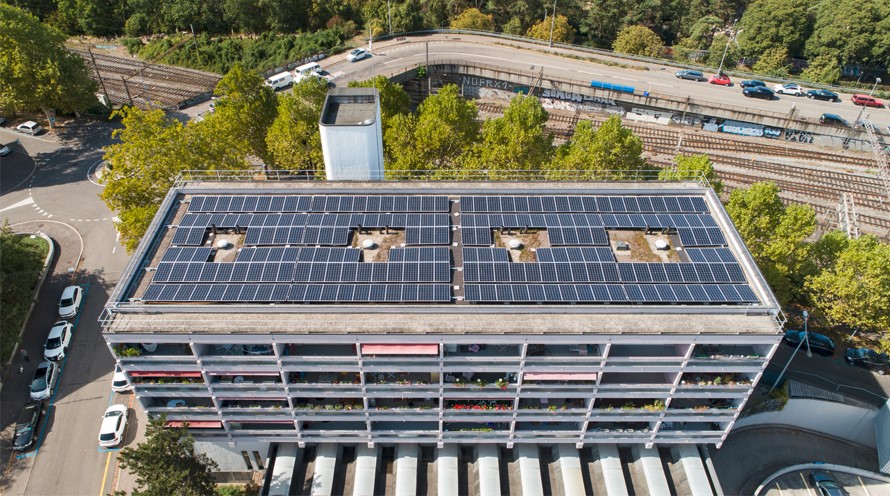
{"type": "Point", "coordinates": [5, 150]}
{"type": "Point", "coordinates": [29, 127]}
{"type": "Point", "coordinates": [833, 119]}
{"type": "Point", "coordinates": [56, 346]}
{"type": "Point", "coordinates": [44, 382]}
{"type": "Point", "coordinates": [825, 484]}
{"type": "Point", "coordinates": [70, 301]}
{"type": "Point", "coordinates": [26, 425]}
{"type": "Point", "coordinates": [721, 79]}
{"type": "Point", "coordinates": [280, 81]}
{"type": "Point", "coordinates": [789, 89]}
{"type": "Point", "coordinates": [826, 95]}
{"type": "Point", "coordinates": [819, 343]}
{"type": "Point", "coordinates": [868, 358]}
{"type": "Point", "coordinates": [119, 382]}
{"type": "Point", "coordinates": [357, 54]}
{"type": "Point", "coordinates": [867, 101]}
{"type": "Point", "coordinates": [759, 92]}
{"type": "Point", "coordinates": [114, 423]}
{"type": "Point", "coordinates": [752, 83]}
{"type": "Point", "coordinates": [692, 75]}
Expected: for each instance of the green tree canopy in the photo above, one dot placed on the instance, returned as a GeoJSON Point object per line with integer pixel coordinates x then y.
{"type": "Point", "coordinates": [245, 111]}
{"type": "Point", "coordinates": [773, 63]}
{"type": "Point", "coordinates": [690, 167]}
{"type": "Point", "coordinates": [444, 128]}
{"type": "Point", "coordinates": [610, 152]}
{"type": "Point", "coordinates": [294, 140]}
{"type": "Point", "coordinates": [775, 235]}
{"type": "Point", "coordinates": [852, 31]}
{"type": "Point", "coordinates": [563, 32]}
{"type": "Point", "coordinates": [166, 463]}
{"type": "Point", "coordinates": [37, 71]}
{"type": "Point", "coordinates": [773, 25]}
{"type": "Point", "coordinates": [718, 47]}
{"type": "Point", "coordinates": [854, 290]}
{"type": "Point", "coordinates": [153, 150]}
{"type": "Point", "coordinates": [473, 18]}
{"type": "Point", "coordinates": [822, 69]}
{"type": "Point", "coordinates": [638, 40]}
{"type": "Point", "coordinates": [514, 142]}
{"type": "Point", "coordinates": [394, 99]}
{"type": "Point", "coordinates": [603, 20]}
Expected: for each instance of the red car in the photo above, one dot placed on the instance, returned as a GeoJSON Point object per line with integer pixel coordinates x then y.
{"type": "Point", "coordinates": [867, 101]}
{"type": "Point", "coordinates": [721, 79]}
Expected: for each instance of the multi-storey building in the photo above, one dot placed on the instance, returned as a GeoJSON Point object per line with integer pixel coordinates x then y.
{"type": "Point", "coordinates": [451, 312]}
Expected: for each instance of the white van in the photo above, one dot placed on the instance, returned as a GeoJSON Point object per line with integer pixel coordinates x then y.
{"type": "Point", "coordinates": [307, 70]}
{"type": "Point", "coordinates": [280, 80]}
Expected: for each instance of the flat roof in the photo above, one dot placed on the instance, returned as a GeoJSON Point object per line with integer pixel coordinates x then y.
{"type": "Point", "coordinates": [350, 107]}
{"type": "Point", "coordinates": [427, 253]}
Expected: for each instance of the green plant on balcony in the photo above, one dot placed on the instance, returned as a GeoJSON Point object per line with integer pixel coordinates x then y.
{"type": "Point", "coordinates": [382, 407]}
{"type": "Point", "coordinates": [552, 408]}
{"type": "Point", "coordinates": [655, 406]}
{"type": "Point", "coordinates": [459, 382]}
{"type": "Point", "coordinates": [481, 382]}
{"type": "Point", "coordinates": [403, 382]}
{"type": "Point", "coordinates": [502, 383]}
{"type": "Point", "coordinates": [628, 406]}
{"type": "Point", "coordinates": [701, 408]}
{"type": "Point", "coordinates": [129, 351]}
{"type": "Point", "coordinates": [718, 381]}
{"type": "Point", "coordinates": [476, 429]}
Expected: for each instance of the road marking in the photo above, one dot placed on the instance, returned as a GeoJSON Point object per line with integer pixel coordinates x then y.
{"type": "Point", "coordinates": [27, 201]}
{"type": "Point", "coordinates": [105, 475]}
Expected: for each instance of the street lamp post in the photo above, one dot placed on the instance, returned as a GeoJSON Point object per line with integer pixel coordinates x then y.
{"type": "Point", "coordinates": [552, 24]}
{"type": "Point", "coordinates": [870, 93]}
{"type": "Point", "coordinates": [725, 50]}
{"type": "Point", "coordinates": [806, 316]}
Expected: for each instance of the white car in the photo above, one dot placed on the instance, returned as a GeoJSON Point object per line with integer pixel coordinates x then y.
{"type": "Point", "coordinates": [5, 150]}
{"type": "Point", "coordinates": [357, 54]}
{"type": "Point", "coordinates": [44, 382]}
{"type": "Point", "coordinates": [29, 127]}
{"type": "Point", "coordinates": [56, 346]}
{"type": "Point", "coordinates": [790, 89]}
{"type": "Point", "coordinates": [114, 423]}
{"type": "Point", "coordinates": [70, 301]}
{"type": "Point", "coordinates": [119, 382]}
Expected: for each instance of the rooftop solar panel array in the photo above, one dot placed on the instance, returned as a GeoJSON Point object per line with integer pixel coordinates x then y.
{"type": "Point", "coordinates": [295, 249]}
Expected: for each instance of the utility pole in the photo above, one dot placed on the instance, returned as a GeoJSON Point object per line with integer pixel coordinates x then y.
{"type": "Point", "coordinates": [389, 16]}
{"type": "Point", "coordinates": [101, 82]}
{"type": "Point", "coordinates": [127, 89]}
{"type": "Point", "coordinates": [195, 38]}
{"type": "Point", "coordinates": [429, 78]}
{"type": "Point", "coordinates": [552, 23]}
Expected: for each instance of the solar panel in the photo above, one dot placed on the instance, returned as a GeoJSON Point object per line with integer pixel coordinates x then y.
{"type": "Point", "coordinates": [189, 236]}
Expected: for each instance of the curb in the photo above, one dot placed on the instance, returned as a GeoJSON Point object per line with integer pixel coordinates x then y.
{"type": "Point", "coordinates": [41, 279]}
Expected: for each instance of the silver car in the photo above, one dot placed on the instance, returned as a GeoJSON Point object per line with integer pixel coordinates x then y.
{"type": "Point", "coordinates": [44, 382]}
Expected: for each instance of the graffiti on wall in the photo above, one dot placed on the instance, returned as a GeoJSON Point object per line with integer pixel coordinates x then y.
{"type": "Point", "coordinates": [799, 136]}
{"type": "Point", "coordinates": [482, 82]}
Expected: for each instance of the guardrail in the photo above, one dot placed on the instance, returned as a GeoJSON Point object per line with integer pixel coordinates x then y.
{"type": "Point", "coordinates": [612, 53]}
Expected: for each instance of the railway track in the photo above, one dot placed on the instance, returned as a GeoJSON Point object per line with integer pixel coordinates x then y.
{"type": "Point", "coordinates": [817, 187]}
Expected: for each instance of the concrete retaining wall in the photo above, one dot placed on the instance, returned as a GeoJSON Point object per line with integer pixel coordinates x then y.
{"type": "Point", "coordinates": [852, 423]}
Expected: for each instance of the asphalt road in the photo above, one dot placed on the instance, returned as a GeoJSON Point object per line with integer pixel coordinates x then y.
{"type": "Point", "coordinates": [391, 56]}
{"type": "Point", "coordinates": [46, 185]}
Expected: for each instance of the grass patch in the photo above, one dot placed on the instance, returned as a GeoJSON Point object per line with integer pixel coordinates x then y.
{"type": "Point", "coordinates": [21, 260]}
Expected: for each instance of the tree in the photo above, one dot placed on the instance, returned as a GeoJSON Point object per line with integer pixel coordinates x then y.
{"type": "Point", "coordinates": [691, 167]}
{"type": "Point", "coordinates": [153, 150]}
{"type": "Point", "coordinates": [444, 128]}
{"type": "Point", "coordinates": [610, 152]}
{"type": "Point", "coordinates": [166, 463]}
{"type": "Point", "coordinates": [853, 291]}
{"type": "Point", "coordinates": [852, 32]}
{"type": "Point", "coordinates": [563, 32]}
{"type": "Point", "coordinates": [473, 19]}
{"type": "Point", "coordinates": [769, 25]}
{"type": "Point", "coordinates": [513, 26]}
{"type": "Point", "coordinates": [38, 71]}
{"type": "Point", "coordinates": [514, 142]}
{"type": "Point", "coordinates": [717, 49]}
{"type": "Point", "coordinates": [394, 99]}
{"type": "Point", "coordinates": [245, 111]}
{"type": "Point", "coordinates": [775, 235]}
{"type": "Point", "coordinates": [603, 20]}
{"type": "Point", "coordinates": [773, 63]}
{"type": "Point", "coordinates": [294, 140]}
{"type": "Point", "coordinates": [638, 40]}
{"type": "Point", "coordinates": [822, 69]}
